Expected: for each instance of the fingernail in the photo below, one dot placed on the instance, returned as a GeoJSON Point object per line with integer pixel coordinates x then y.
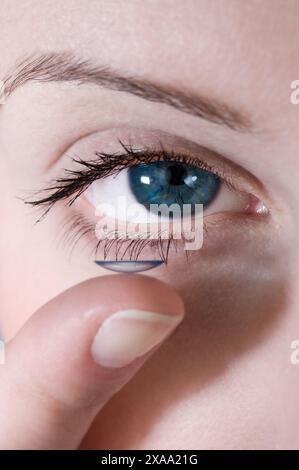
{"type": "Point", "coordinates": [129, 334]}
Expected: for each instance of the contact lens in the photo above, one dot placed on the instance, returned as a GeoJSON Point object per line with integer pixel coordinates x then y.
{"type": "Point", "coordinates": [129, 266]}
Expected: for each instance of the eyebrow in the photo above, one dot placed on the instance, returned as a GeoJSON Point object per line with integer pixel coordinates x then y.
{"type": "Point", "coordinates": [65, 67]}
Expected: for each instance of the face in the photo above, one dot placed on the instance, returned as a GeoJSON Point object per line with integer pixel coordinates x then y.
{"type": "Point", "coordinates": [209, 83]}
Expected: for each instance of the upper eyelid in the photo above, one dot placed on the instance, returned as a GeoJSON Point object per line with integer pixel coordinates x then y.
{"type": "Point", "coordinates": [72, 182]}
{"type": "Point", "coordinates": [75, 182]}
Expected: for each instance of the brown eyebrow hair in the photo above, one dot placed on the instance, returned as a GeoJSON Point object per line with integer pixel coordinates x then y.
{"type": "Point", "coordinates": [65, 67]}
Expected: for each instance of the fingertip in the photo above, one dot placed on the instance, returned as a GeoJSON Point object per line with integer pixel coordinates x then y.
{"type": "Point", "coordinates": [141, 292]}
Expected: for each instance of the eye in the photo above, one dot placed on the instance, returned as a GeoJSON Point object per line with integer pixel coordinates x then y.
{"type": "Point", "coordinates": [144, 178]}
{"type": "Point", "coordinates": [164, 183]}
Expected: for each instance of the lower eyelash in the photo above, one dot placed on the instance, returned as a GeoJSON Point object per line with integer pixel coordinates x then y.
{"type": "Point", "coordinates": [76, 227]}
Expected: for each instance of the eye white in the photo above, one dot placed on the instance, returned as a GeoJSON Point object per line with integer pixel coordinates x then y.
{"type": "Point", "coordinates": [113, 198]}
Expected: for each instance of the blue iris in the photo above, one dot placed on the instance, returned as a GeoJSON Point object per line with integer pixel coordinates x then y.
{"type": "Point", "coordinates": [168, 182]}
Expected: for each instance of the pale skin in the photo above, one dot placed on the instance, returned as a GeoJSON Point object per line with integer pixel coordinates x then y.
{"type": "Point", "coordinates": [224, 378]}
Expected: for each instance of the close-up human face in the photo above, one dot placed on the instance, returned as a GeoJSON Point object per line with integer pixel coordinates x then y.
{"type": "Point", "coordinates": [154, 101]}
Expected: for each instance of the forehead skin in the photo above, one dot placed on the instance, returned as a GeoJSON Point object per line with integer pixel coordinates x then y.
{"type": "Point", "coordinates": [228, 47]}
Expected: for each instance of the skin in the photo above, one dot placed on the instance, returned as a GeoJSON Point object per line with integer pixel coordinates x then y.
{"type": "Point", "coordinates": [224, 379]}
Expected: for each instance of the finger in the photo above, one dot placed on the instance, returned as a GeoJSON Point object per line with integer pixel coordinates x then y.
{"type": "Point", "coordinates": [75, 353]}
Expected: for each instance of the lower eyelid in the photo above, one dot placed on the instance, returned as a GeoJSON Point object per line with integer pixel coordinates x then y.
{"type": "Point", "coordinates": [79, 230]}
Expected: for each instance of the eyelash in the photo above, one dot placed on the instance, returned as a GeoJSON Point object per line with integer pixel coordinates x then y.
{"type": "Point", "coordinates": [75, 182]}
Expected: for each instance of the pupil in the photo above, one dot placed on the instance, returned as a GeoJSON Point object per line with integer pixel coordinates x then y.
{"type": "Point", "coordinates": [177, 175]}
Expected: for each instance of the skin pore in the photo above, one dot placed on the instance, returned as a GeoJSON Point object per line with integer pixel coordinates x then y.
{"type": "Point", "coordinates": [224, 379]}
